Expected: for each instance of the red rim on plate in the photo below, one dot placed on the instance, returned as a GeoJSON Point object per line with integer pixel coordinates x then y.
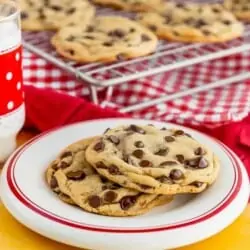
{"type": "Point", "coordinates": [17, 192]}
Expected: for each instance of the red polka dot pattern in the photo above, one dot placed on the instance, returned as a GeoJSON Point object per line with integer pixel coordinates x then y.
{"type": "Point", "coordinates": [11, 93]}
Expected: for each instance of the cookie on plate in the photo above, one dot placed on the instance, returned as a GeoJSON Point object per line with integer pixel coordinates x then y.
{"type": "Point", "coordinates": [37, 15]}
{"type": "Point", "coordinates": [131, 5]}
{"type": "Point", "coordinates": [107, 39]}
{"type": "Point", "coordinates": [152, 160]}
{"type": "Point", "coordinates": [190, 22]}
{"type": "Point", "coordinates": [241, 8]}
{"type": "Point", "coordinates": [75, 178]}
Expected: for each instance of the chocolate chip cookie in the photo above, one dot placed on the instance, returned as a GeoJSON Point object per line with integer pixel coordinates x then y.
{"type": "Point", "coordinates": [106, 39]}
{"type": "Point", "coordinates": [241, 8]}
{"type": "Point", "coordinates": [153, 160]}
{"type": "Point", "coordinates": [190, 22]}
{"type": "Point", "coordinates": [131, 5]}
{"type": "Point", "coordinates": [39, 15]}
{"type": "Point", "coordinates": [72, 176]}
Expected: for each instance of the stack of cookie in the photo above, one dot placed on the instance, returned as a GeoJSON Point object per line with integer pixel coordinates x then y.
{"type": "Point", "coordinates": [84, 37]}
{"type": "Point", "coordinates": [131, 169]}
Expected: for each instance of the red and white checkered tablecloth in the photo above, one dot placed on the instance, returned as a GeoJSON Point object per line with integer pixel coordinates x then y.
{"type": "Point", "coordinates": [212, 108]}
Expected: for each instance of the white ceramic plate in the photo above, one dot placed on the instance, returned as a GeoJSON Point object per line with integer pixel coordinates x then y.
{"type": "Point", "coordinates": [190, 218]}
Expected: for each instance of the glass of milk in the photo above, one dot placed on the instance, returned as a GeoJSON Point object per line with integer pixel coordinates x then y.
{"type": "Point", "coordinates": [12, 110]}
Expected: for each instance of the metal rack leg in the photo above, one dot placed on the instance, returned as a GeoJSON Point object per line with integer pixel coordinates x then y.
{"type": "Point", "coordinates": [94, 94]}
{"type": "Point", "coordinates": [108, 97]}
{"type": "Point", "coordinates": [217, 84]}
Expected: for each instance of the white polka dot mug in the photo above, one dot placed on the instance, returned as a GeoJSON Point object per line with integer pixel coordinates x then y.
{"type": "Point", "coordinates": [12, 111]}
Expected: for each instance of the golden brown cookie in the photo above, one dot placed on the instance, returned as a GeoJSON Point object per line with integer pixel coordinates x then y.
{"type": "Point", "coordinates": [189, 22]}
{"type": "Point", "coordinates": [152, 160]}
{"type": "Point", "coordinates": [75, 178]}
{"type": "Point", "coordinates": [39, 15]}
{"type": "Point", "coordinates": [241, 8]}
{"type": "Point", "coordinates": [107, 39]}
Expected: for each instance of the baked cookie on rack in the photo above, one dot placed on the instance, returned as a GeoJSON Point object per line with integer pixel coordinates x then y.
{"type": "Point", "coordinates": [152, 160]}
{"type": "Point", "coordinates": [130, 5]}
{"type": "Point", "coordinates": [190, 22]}
{"type": "Point", "coordinates": [241, 8]}
{"type": "Point", "coordinates": [72, 177]}
{"type": "Point", "coordinates": [38, 15]}
{"type": "Point", "coordinates": [106, 39]}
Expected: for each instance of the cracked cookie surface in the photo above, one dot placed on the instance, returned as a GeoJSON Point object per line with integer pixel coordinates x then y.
{"type": "Point", "coordinates": [151, 160]}
{"type": "Point", "coordinates": [71, 175]}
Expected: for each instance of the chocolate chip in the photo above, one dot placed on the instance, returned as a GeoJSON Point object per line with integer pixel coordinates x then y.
{"type": "Point", "coordinates": [100, 164]}
{"type": "Point", "coordinates": [138, 153]}
{"type": "Point", "coordinates": [66, 154]}
{"type": "Point", "coordinates": [114, 170]}
{"type": "Point", "coordinates": [180, 158]}
{"type": "Point", "coordinates": [145, 38]}
{"type": "Point", "coordinates": [200, 151]}
{"type": "Point", "coordinates": [168, 163]}
{"type": "Point", "coordinates": [199, 23]}
{"type": "Point", "coordinates": [90, 29]}
{"type": "Point", "coordinates": [89, 37]}
{"type": "Point", "coordinates": [99, 146]}
{"type": "Point", "coordinates": [106, 130]}
{"type": "Point", "coordinates": [94, 201]}
{"type": "Point", "coordinates": [137, 129]}
{"type": "Point", "coordinates": [71, 52]}
{"type": "Point", "coordinates": [178, 132]}
{"type": "Point", "coordinates": [71, 11]}
{"type": "Point", "coordinates": [132, 30]}
{"type": "Point", "coordinates": [139, 144]}
{"type": "Point", "coordinates": [245, 8]}
{"type": "Point", "coordinates": [55, 166]}
{"type": "Point", "coordinates": [56, 8]}
{"type": "Point", "coordinates": [145, 164]}
{"type": "Point", "coordinates": [176, 33]}
{"type": "Point", "coordinates": [227, 22]}
{"type": "Point", "coordinates": [125, 158]}
{"type": "Point", "coordinates": [144, 186]}
{"type": "Point", "coordinates": [164, 179]}
{"type": "Point", "coordinates": [107, 44]}
{"type": "Point", "coordinates": [24, 15]}
{"type": "Point", "coordinates": [110, 196]}
{"type": "Point", "coordinates": [203, 163]}
{"type": "Point", "coordinates": [127, 202]}
{"type": "Point", "coordinates": [169, 139]}
{"type": "Point", "coordinates": [176, 174]}
{"type": "Point", "coordinates": [117, 33]}
{"type": "Point", "coordinates": [114, 139]}
{"type": "Point", "coordinates": [206, 32]}
{"type": "Point", "coordinates": [70, 38]}
{"type": "Point", "coordinates": [197, 184]}
{"type": "Point", "coordinates": [76, 175]}
{"type": "Point", "coordinates": [198, 162]}
{"type": "Point", "coordinates": [152, 27]}
{"type": "Point", "coordinates": [63, 165]}
{"type": "Point", "coordinates": [189, 21]}
{"type": "Point", "coordinates": [162, 152]}
{"type": "Point", "coordinates": [181, 5]}
{"type": "Point", "coordinates": [216, 10]}
{"type": "Point", "coordinates": [114, 186]}
{"type": "Point", "coordinates": [192, 162]}
{"type": "Point", "coordinates": [163, 128]}
{"type": "Point", "coordinates": [168, 19]}
{"type": "Point", "coordinates": [53, 182]}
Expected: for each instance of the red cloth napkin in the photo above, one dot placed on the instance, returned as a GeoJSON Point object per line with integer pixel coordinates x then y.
{"type": "Point", "coordinates": [46, 109]}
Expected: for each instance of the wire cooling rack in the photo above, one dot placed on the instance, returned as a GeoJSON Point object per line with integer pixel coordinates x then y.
{"type": "Point", "coordinates": [168, 56]}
